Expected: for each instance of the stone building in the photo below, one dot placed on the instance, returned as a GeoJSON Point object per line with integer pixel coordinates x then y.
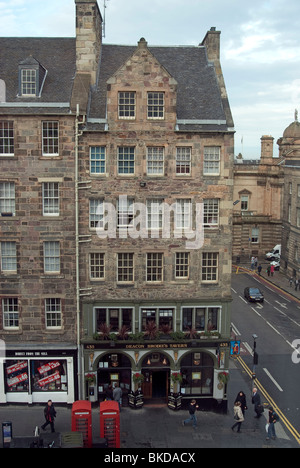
{"type": "Point", "coordinates": [289, 151]}
{"type": "Point", "coordinates": [257, 214]}
{"type": "Point", "coordinates": [157, 145]}
{"type": "Point", "coordinates": [37, 224]}
{"type": "Point", "coordinates": [108, 167]}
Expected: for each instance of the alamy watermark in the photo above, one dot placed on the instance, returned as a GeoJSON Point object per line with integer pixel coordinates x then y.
{"type": "Point", "coordinates": [296, 353]}
{"type": "Point", "coordinates": [180, 220]}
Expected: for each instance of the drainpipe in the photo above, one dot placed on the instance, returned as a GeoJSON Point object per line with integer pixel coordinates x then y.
{"type": "Point", "coordinates": [79, 356]}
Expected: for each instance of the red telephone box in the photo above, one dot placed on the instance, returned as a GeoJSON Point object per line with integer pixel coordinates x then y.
{"type": "Point", "coordinates": [82, 421]}
{"type": "Point", "coordinates": [110, 423]}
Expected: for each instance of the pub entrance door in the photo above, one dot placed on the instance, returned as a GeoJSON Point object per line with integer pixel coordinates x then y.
{"type": "Point", "coordinates": [156, 371]}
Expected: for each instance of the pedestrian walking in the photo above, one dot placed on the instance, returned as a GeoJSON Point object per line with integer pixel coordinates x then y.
{"type": "Point", "coordinates": [296, 284]}
{"type": "Point", "coordinates": [109, 393]}
{"type": "Point", "coordinates": [291, 281]}
{"type": "Point", "coordinates": [269, 270]}
{"type": "Point", "coordinates": [192, 411]}
{"type": "Point", "coordinates": [273, 419]}
{"type": "Point", "coordinates": [117, 395]}
{"type": "Point", "coordinates": [256, 401]}
{"type": "Point", "coordinates": [241, 398]}
{"type": "Point", "coordinates": [50, 414]}
{"type": "Point", "coordinates": [238, 416]}
{"type": "Point", "coordinates": [259, 268]}
{"type": "Point", "coordinates": [272, 269]}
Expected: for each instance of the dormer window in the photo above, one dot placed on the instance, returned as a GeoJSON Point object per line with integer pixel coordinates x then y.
{"type": "Point", "coordinates": [32, 77]}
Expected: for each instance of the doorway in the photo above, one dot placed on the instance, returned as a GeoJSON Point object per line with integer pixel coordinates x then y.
{"type": "Point", "coordinates": [156, 384]}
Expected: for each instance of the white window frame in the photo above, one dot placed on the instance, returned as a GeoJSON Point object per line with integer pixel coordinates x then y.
{"type": "Point", "coordinates": [183, 214]}
{"type": "Point", "coordinates": [155, 105]}
{"type": "Point", "coordinates": [7, 138]}
{"type": "Point", "coordinates": [211, 213]}
{"type": "Point", "coordinates": [28, 82]}
{"type": "Point", "coordinates": [183, 161]}
{"type": "Point", "coordinates": [8, 257]}
{"type": "Point", "coordinates": [51, 199]}
{"type": "Point", "coordinates": [155, 160]}
{"type": "Point", "coordinates": [210, 267]}
{"type": "Point", "coordinates": [51, 257]}
{"type": "Point", "coordinates": [125, 267]}
{"type": "Point", "coordinates": [96, 213]}
{"type": "Point", "coordinates": [50, 138]}
{"type": "Point", "coordinates": [127, 105]}
{"type": "Point", "coordinates": [10, 312]}
{"type": "Point", "coordinates": [212, 160]}
{"type": "Point", "coordinates": [53, 313]}
{"type": "Point", "coordinates": [7, 198]}
{"type": "Point", "coordinates": [126, 160]}
{"type": "Point", "coordinates": [154, 267]}
{"type": "Point", "coordinates": [97, 160]}
{"type": "Point", "coordinates": [97, 266]}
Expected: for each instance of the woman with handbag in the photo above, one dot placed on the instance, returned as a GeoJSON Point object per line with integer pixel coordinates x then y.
{"type": "Point", "coordinates": [238, 416]}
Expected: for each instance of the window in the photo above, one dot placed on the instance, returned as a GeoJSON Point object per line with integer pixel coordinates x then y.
{"type": "Point", "coordinates": [201, 318]}
{"type": "Point", "coordinates": [182, 265]}
{"type": "Point", "coordinates": [9, 257]}
{"type": "Point", "coordinates": [211, 213]}
{"type": "Point", "coordinates": [255, 235]}
{"type": "Point", "coordinates": [211, 160]}
{"type": "Point", "coordinates": [183, 160]}
{"type": "Point", "coordinates": [154, 267]}
{"type": "Point", "coordinates": [28, 82]}
{"type": "Point", "coordinates": [50, 138]}
{"type": "Point", "coordinates": [6, 138]}
{"type": "Point", "coordinates": [183, 215]}
{"type": "Point", "coordinates": [126, 157]}
{"type": "Point", "coordinates": [162, 317]}
{"type": "Point", "coordinates": [125, 211]}
{"type": "Point", "coordinates": [154, 214]}
{"type": "Point", "coordinates": [53, 313]}
{"type": "Point", "coordinates": [51, 257]}
{"type": "Point", "coordinates": [97, 267]}
{"type": "Point", "coordinates": [155, 161]}
{"type": "Point", "coordinates": [97, 160]}
{"type": "Point", "coordinates": [125, 268]}
{"type": "Point", "coordinates": [116, 318]}
{"type": "Point", "coordinates": [96, 214]}
{"type": "Point", "coordinates": [126, 105]}
{"type": "Point", "coordinates": [244, 203]}
{"type": "Point", "coordinates": [7, 198]}
{"type": "Point", "coordinates": [50, 199]}
{"type": "Point", "coordinates": [198, 374]}
{"type": "Point", "coordinates": [156, 105]}
{"type": "Point", "coordinates": [298, 217]}
{"type": "Point", "coordinates": [209, 267]}
{"type": "Point", "coordinates": [10, 309]}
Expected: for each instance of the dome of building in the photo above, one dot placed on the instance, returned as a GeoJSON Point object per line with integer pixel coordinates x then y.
{"type": "Point", "coordinates": [293, 130]}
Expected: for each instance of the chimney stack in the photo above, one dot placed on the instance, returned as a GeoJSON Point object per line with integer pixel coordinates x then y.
{"type": "Point", "coordinates": [88, 37]}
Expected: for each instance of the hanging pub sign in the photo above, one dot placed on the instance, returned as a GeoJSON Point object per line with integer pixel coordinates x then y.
{"type": "Point", "coordinates": [235, 348]}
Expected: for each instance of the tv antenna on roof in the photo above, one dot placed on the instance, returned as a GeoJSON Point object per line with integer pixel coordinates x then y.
{"type": "Point", "coordinates": [104, 8]}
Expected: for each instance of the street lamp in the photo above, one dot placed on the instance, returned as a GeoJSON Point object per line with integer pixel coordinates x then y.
{"type": "Point", "coordinates": [255, 356]}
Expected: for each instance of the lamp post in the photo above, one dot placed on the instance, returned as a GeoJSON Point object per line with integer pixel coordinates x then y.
{"type": "Point", "coordinates": [255, 356]}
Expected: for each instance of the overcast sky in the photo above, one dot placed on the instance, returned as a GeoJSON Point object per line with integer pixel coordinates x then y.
{"type": "Point", "coordinates": [260, 48]}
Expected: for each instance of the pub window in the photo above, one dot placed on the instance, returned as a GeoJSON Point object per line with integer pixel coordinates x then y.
{"type": "Point", "coordinates": [197, 371]}
{"type": "Point", "coordinates": [114, 318]}
{"type": "Point", "coordinates": [201, 319]}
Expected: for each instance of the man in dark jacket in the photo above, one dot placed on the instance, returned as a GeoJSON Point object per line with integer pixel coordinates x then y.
{"type": "Point", "coordinates": [273, 418]}
{"type": "Point", "coordinates": [50, 414]}
{"type": "Point", "coordinates": [257, 403]}
{"type": "Point", "coordinates": [192, 410]}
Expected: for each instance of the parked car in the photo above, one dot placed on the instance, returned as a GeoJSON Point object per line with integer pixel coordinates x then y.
{"type": "Point", "coordinates": [254, 295]}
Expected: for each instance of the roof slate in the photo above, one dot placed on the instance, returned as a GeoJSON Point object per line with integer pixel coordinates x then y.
{"type": "Point", "coordinates": [57, 56]}
{"type": "Point", "coordinates": [198, 97]}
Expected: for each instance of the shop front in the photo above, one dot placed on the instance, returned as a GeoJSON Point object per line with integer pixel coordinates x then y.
{"type": "Point", "coordinates": [158, 371]}
{"type": "Point", "coordinates": [36, 375]}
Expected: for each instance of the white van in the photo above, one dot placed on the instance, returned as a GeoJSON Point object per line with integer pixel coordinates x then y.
{"type": "Point", "coordinates": [275, 253]}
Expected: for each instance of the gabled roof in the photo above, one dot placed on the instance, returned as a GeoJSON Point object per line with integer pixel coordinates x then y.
{"type": "Point", "coordinates": [56, 55]}
{"type": "Point", "coordinates": [199, 100]}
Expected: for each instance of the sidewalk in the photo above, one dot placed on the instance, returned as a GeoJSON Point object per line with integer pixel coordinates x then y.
{"type": "Point", "coordinates": [160, 428]}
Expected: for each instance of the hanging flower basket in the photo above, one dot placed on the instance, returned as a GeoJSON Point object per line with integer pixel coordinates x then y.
{"type": "Point", "coordinates": [223, 377]}
{"type": "Point", "coordinates": [138, 378]}
{"type": "Point", "coordinates": [90, 378]}
{"type": "Point", "coordinates": [176, 377]}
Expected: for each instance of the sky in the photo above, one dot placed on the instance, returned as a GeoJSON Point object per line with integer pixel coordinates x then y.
{"type": "Point", "coordinates": [260, 48]}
